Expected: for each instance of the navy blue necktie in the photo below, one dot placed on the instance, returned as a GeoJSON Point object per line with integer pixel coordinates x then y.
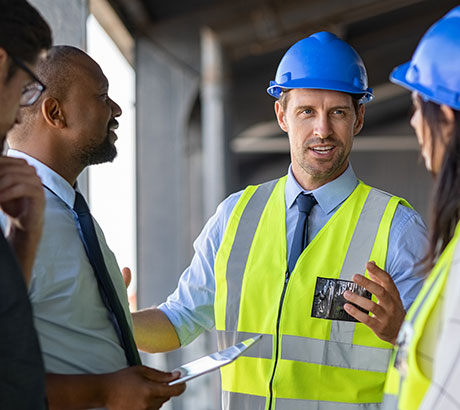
{"type": "Point", "coordinates": [305, 203]}
{"type": "Point", "coordinates": [106, 288]}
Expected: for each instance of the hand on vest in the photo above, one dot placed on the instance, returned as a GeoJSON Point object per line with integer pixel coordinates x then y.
{"type": "Point", "coordinates": [140, 388]}
{"type": "Point", "coordinates": [388, 314]}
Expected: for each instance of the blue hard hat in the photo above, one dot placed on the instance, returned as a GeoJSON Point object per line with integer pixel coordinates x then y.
{"type": "Point", "coordinates": [434, 70]}
{"type": "Point", "coordinates": [322, 61]}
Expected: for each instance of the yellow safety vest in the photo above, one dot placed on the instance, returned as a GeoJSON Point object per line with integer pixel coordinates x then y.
{"type": "Point", "coordinates": [301, 362]}
{"type": "Point", "coordinates": [406, 385]}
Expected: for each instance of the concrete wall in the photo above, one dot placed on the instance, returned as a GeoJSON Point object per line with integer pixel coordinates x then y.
{"type": "Point", "coordinates": [166, 93]}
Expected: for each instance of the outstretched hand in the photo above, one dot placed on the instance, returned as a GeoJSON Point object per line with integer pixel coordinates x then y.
{"type": "Point", "coordinates": [388, 314]}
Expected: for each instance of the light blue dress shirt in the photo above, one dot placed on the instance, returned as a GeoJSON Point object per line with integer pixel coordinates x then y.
{"type": "Point", "coordinates": [191, 307]}
{"type": "Point", "coordinates": [72, 322]}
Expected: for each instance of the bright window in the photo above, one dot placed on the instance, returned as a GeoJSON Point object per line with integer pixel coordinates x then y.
{"type": "Point", "coordinates": [112, 186]}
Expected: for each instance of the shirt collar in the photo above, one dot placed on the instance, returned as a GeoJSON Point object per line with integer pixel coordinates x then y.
{"type": "Point", "coordinates": [52, 180]}
{"type": "Point", "coordinates": [329, 196]}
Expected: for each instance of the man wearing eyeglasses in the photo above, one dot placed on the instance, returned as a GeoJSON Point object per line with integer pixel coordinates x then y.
{"type": "Point", "coordinates": [24, 35]}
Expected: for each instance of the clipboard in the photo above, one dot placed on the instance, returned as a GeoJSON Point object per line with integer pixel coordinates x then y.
{"type": "Point", "coordinates": [213, 361]}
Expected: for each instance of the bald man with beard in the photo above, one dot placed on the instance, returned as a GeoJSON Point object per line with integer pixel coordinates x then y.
{"type": "Point", "coordinates": [86, 361]}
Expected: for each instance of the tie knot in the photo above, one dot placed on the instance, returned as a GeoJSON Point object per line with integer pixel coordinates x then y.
{"type": "Point", "coordinates": [305, 202]}
{"type": "Point", "coordinates": [80, 206]}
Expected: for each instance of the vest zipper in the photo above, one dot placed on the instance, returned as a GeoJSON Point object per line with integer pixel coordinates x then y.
{"type": "Point", "coordinates": [286, 280]}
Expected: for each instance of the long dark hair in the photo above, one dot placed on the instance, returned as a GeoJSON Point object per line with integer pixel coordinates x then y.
{"type": "Point", "coordinates": [445, 203]}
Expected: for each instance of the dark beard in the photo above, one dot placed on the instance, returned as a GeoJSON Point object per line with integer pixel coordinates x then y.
{"type": "Point", "coordinates": [105, 152]}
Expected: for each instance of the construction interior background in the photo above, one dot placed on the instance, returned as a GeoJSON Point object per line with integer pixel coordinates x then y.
{"type": "Point", "coordinates": [205, 126]}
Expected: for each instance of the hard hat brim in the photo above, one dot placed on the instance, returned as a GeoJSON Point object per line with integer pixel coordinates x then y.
{"type": "Point", "coordinates": [275, 90]}
{"type": "Point", "coordinates": [399, 77]}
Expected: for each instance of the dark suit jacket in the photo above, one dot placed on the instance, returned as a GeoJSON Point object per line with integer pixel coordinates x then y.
{"type": "Point", "coordinates": [22, 377]}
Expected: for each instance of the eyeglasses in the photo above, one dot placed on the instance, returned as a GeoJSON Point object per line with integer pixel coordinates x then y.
{"type": "Point", "coordinates": [31, 92]}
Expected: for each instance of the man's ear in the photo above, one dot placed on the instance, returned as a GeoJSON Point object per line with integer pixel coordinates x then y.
{"type": "Point", "coordinates": [280, 116]}
{"type": "Point", "coordinates": [52, 113]}
{"type": "Point", "coordinates": [359, 120]}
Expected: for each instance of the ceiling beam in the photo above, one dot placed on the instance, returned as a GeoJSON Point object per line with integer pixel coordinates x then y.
{"type": "Point", "coordinates": [136, 12]}
{"type": "Point", "coordinates": [269, 28]}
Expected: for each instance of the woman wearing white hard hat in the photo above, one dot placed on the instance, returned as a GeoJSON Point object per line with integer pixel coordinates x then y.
{"type": "Point", "coordinates": [425, 370]}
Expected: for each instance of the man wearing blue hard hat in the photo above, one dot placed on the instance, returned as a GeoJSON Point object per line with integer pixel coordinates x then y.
{"type": "Point", "coordinates": [425, 370]}
{"type": "Point", "coordinates": [279, 259]}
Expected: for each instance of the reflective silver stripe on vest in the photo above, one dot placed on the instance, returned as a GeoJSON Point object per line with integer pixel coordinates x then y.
{"type": "Point", "coordinates": [238, 401]}
{"type": "Point", "coordinates": [263, 348]}
{"type": "Point", "coordinates": [359, 252]}
{"type": "Point", "coordinates": [238, 257]}
{"type": "Point", "coordinates": [335, 354]}
{"type": "Point", "coordinates": [390, 402]}
{"type": "Point", "coordinates": [296, 404]}
{"type": "Point", "coordinates": [363, 238]}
